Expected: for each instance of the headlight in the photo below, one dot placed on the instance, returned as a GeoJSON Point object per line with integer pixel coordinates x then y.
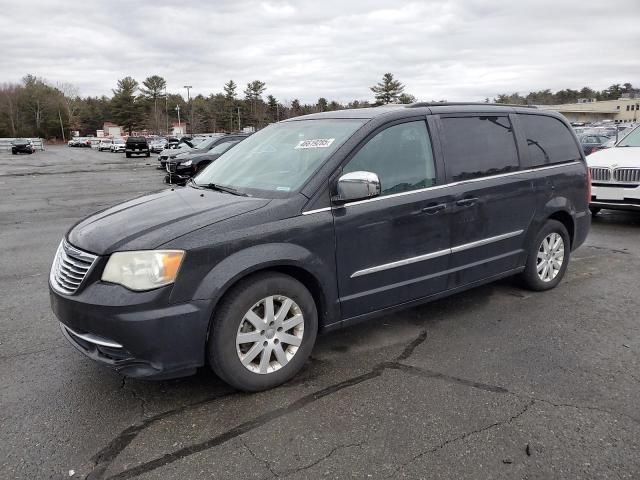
{"type": "Point", "coordinates": [143, 270]}
{"type": "Point", "coordinates": [187, 163]}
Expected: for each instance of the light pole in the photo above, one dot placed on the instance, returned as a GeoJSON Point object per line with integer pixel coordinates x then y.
{"type": "Point", "coordinates": [166, 108]}
{"type": "Point", "coordinates": [189, 87]}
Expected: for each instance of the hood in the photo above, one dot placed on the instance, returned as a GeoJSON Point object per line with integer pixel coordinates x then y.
{"type": "Point", "coordinates": [615, 157]}
{"type": "Point", "coordinates": [151, 220]}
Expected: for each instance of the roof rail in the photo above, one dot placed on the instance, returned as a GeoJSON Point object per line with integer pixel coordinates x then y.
{"type": "Point", "coordinates": [448, 104]}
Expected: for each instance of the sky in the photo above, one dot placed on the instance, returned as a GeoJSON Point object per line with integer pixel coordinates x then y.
{"type": "Point", "coordinates": [454, 50]}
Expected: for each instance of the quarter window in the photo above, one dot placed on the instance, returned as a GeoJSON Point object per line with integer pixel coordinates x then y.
{"type": "Point", "coordinates": [548, 140]}
{"type": "Point", "coordinates": [400, 155]}
{"type": "Point", "coordinates": [479, 146]}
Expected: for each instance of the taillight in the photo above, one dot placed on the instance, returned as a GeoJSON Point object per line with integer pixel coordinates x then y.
{"type": "Point", "coordinates": [588, 185]}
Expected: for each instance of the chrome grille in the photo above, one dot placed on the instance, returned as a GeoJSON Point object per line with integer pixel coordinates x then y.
{"type": "Point", "coordinates": [172, 167]}
{"type": "Point", "coordinates": [627, 175]}
{"type": "Point", "coordinates": [600, 174]}
{"type": "Point", "coordinates": [69, 268]}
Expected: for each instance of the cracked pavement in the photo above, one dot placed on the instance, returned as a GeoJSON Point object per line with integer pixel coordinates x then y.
{"type": "Point", "coordinates": [496, 382]}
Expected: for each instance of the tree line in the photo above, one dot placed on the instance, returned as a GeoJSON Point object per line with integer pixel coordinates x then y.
{"type": "Point", "coordinates": [568, 95]}
{"type": "Point", "coordinates": [36, 108]}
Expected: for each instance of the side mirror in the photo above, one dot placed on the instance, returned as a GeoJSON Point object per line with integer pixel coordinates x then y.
{"type": "Point", "coordinates": [357, 186]}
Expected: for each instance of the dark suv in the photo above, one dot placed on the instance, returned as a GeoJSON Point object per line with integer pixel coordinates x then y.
{"type": "Point", "coordinates": [21, 145]}
{"type": "Point", "coordinates": [136, 146]}
{"type": "Point", "coordinates": [315, 223]}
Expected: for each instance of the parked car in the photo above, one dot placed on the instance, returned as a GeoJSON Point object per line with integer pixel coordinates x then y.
{"type": "Point", "coordinates": [80, 142]}
{"type": "Point", "coordinates": [172, 142]}
{"type": "Point", "coordinates": [117, 145]}
{"type": "Point", "coordinates": [592, 143]}
{"type": "Point", "coordinates": [136, 146]}
{"type": "Point", "coordinates": [105, 144]}
{"type": "Point", "coordinates": [157, 145]}
{"type": "Point", "coordinates": [615, 175]}
{"type": "Point", "coordinates": [318, 222]}
{"type": "Point", "coordinates": [22, 145]}
{"type": "Point", "coordinates": [185, 145]}
{"type": "Point", "coordinates": [185, 166]}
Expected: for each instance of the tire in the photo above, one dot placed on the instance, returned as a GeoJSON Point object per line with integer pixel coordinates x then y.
{"type": "Point", "coordinates": [594, 210]}
{"type": "Point", "coordinates": [148, 154]}
{"type": "Point", "coordinates": [128, 155]}
{"type": "Point", "coordinates": [251, 295]}
{"type": "Point", "coordinates": [531, 277]}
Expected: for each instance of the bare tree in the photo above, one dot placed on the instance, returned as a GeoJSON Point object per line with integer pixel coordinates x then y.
{"type": "Point", "coordinates": [9, 97]}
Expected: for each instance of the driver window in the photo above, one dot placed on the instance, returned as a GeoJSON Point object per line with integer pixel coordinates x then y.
{"type": "Point", "coordinates": [401, 156]}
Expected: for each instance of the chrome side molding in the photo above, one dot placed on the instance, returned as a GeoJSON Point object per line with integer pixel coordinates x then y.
{"type": "Point", "coordinates": [436, 254]}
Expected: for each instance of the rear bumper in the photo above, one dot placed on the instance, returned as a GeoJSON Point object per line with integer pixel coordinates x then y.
{"type": "Point", "coordinates": [149, 340]}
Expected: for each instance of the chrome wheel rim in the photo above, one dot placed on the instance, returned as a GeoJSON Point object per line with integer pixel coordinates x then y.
{"type": "Point", "coordinates": [550, 257]}
{"type": "Point", "coordinates": [270, 334]}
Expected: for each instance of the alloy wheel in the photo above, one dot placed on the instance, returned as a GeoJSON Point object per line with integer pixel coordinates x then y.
{"type": "Point", "coordinates": [270, 334]}
{"type": "Point", "coordinates": [550, 257]}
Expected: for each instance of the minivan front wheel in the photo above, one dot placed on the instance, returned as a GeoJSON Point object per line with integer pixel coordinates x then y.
{"type": "Point", "coordinates": [263, 332]}
{"type": "Point", "coordinates": [548, 257]}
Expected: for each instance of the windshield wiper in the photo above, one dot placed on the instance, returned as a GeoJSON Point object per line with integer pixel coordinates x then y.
{"type": "Point", "coordinates": [222, 188]}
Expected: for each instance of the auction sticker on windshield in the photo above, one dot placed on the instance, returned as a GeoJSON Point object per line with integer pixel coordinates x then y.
{"type": "Point", "coordinates": [315, 143]}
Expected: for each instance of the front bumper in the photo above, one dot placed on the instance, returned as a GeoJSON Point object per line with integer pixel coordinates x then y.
{"type": "Point", "coordinates": [139, 334]}
{"type": "Point", "coordinates": [616, 197]}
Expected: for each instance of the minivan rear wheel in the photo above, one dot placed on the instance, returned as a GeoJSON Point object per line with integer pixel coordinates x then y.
{"type": "Point", "coordinates": [263, 332]}
{"type": "Point", "coordinates": [548, 257]}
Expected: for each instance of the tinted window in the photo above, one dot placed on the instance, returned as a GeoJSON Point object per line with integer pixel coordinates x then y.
{"type": "Point", "coordinates": [479, 146]}
{"type": "Point", "coordinates": [548, 139]}
{"type": "Point", "coordinates": [401, 157]}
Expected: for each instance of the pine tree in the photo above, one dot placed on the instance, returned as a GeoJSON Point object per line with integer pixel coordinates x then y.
{"type": "Point", "coordinates": [388, 90]}
{"type": "Point", "coordinates": [230, 90]}
{"type": "Point", "coordinates": [153, 90]}
{"type": "Point", "coordinates": [125, 105]}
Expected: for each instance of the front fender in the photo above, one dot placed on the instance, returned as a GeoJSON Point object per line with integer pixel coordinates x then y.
{"type": "Point", "coordinates": [262, 257]}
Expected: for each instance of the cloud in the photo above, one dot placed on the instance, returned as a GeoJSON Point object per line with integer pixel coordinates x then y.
{"type": "Point", "coordinates": [462, 50]}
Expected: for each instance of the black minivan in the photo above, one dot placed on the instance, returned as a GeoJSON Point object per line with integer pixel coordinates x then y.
{"type": "Point", "coordinates": [315, 223]}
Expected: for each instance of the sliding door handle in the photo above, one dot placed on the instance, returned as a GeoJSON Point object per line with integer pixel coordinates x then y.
{"type": "Point", "coordinates": [466, 202]}
{"type": "Point", "coordinates": [430, 210]}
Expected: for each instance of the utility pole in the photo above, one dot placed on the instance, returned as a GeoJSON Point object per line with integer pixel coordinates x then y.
{"type": "Point", "coordinates": [166, 108]}
{"type": "Point", "coordinates": [178, 110]}
{"type": "Point", "coordinates": [189, 87]}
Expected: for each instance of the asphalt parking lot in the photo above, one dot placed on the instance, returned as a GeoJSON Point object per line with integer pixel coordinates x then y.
{"type": "Point", "coordinates": [496, 382]}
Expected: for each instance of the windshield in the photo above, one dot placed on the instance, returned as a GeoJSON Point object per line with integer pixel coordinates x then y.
{"type": "Point", "coordinates": [120, 142]}
{"type": "Point", "coordinates": [206, 144]}
{"type": "Point", "coordinates": [281, 157]}
{"type": "Point", "coordinates": [222, 147]}
{"type": "Point", "coordinates": [632, 139]}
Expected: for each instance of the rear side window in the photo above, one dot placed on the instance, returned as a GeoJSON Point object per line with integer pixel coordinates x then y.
{"type": "Point", "coordinates": [401, 157]}
{"type": "Point", "coordinates": [479, 146]}
{"type": "Point", "coordinates": [548, 140]}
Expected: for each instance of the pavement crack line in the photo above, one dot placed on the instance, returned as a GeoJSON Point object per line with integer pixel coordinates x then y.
{"type": "Point", "coordinates": [266, 463]}
{"type": "Point", "coordinates": [267, 417]}
{"type": "Point", "coordinates": [106, 456]}
{"type": "Point", "coordinates": [464, 436]}
{"type": "Point", "coordinates": [292, 471]}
